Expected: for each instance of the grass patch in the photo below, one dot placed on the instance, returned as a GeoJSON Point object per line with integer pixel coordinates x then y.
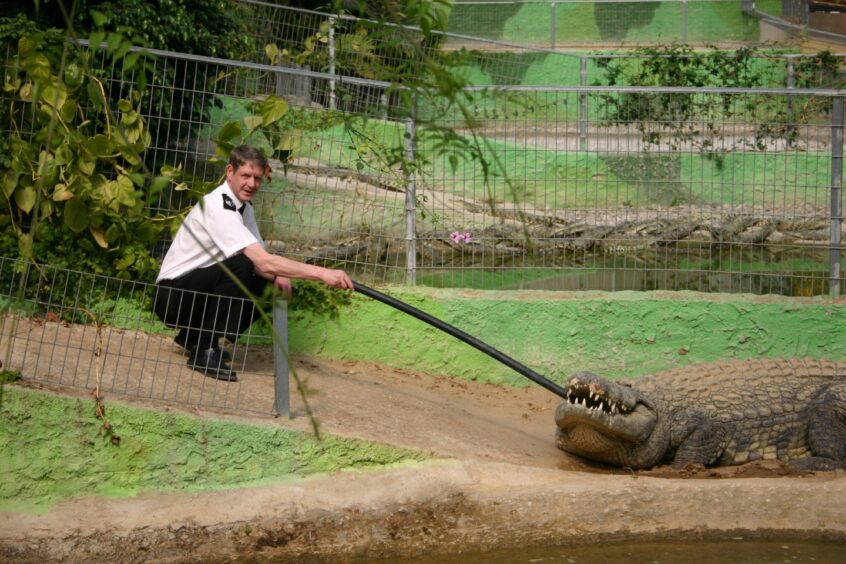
{"type": "Point", "coordinates": [51, 450]}
{"type": "Point", "coordinates": [561, 180]}
{"type": "Point", "coordinates": [541, 177]}
{"type": "Point", "coordinates": [580, 22]}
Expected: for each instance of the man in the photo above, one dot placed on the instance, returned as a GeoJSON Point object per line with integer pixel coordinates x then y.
{"type": "Point", "coordinates": [196, 294]}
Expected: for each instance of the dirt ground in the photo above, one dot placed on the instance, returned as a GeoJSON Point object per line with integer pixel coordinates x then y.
{"type": "Point", "coordinates": [496, 481]}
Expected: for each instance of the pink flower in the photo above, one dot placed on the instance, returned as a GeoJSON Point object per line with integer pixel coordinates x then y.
{"type": "Point", "coordinates": [459, 237]}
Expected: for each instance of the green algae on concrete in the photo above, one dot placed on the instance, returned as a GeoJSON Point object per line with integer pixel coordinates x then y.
{"type": "Point", "coordinates": [51, 449]}
{"type": "Point", "coordinates": [622, 334]}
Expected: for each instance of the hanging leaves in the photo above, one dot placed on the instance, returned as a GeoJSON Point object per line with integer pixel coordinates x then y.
{"type": "Point", "coordinates": [74, 155]}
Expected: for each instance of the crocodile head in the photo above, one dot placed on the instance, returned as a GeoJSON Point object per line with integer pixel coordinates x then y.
{"type": "Point", "coordinates": [609, 422]}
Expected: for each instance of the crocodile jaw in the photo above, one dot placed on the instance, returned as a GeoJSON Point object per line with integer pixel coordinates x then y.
{"type": "Point", "coordinates": [609, 422]}
{"type": "Point", "coordinates": [633, 427]}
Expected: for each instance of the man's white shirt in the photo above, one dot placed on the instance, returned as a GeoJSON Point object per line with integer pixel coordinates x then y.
{"type": "Point", "coordinates": [213, 231]}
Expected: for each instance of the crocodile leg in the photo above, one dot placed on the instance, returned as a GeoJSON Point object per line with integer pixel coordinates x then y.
{"type": "Point", "coordinates": [826, 432]}
{"type": "Point", "coordinates": [703, 444]}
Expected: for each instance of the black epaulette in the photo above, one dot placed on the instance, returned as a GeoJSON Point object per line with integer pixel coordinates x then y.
{"type": "Point", "coordinates": [228, 204]}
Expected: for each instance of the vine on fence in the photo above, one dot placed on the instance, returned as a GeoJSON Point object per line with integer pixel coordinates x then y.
{"type": "Point", "coordinates": [75, 187]}
{"type": "Point", "coordinates": [106, 428]}
{"type": "Point", "coordinates": [696, 119]}
{"type": "Point", "coordinates": [421, 76]}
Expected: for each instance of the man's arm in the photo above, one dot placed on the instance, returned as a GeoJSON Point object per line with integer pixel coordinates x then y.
{"type": "Point", "coordinates": [270, 266]}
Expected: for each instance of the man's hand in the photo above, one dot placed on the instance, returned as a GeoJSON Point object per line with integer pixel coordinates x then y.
{"type": "Point", "coordinates": [337, 279]}
{"type": "Point", "coordinates": [284, 285]}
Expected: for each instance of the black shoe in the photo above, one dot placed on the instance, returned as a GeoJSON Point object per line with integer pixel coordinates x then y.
{"type": "Point", "coordinates": [181, 338]}
{"type": "Point", "coordinates": [211, 363]}
{"type": "Point", "coordinates": [224, 354]}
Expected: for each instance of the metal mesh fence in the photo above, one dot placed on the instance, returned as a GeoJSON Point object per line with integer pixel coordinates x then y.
{"type": "Point", "coordinates": [602, 188]}
{"type": "Point", "coordinates": [349, 46]}
{"type": "Point", "coordinates": [720, 190]}
{"type": "Point", "coordinates": [562, 188]}
{"type": "Point", "coordinates": [627, 189]}
{"type": "Point", "coordinates": [614, 23]}
{"type": "Point", "coordinates": [72, 329]}
{"type": "Point", "coordinates": [487, 55]}
{"type": "Point", "coordinates": [574, 24]}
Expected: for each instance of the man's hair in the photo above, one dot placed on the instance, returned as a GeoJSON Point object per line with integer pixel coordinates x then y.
{"type": "Point", "coordinates": [243, 154]}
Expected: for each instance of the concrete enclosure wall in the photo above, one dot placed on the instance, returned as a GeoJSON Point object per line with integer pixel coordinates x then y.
{"type": "Point", "coordinates": [623, 334]}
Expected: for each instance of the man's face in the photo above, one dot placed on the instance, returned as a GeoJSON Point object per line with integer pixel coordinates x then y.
{"type": "Point", "coordinates": [245, 180]}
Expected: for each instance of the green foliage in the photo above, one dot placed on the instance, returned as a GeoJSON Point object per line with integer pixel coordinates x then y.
{"type": "Point", "coordinates": [269, 124]}
{"type": "Point", "coordinates": [205, 27]}
{"type": "Point", "coordinates": [697, 118]}
{"type": "Point", "coordinates": [216, 28]}
{"type": "Point", "coordinates": [73, 184]}
{"type": "Point", "coordinates": [7, 376]}
{"type": "Point", "coordinates": [210, 27]}
{"type": "Point", "coordinates": [317, 298]}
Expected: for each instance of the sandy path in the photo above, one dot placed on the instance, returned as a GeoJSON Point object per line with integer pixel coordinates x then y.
{"type": "Point", "coordinates": [497, 481]}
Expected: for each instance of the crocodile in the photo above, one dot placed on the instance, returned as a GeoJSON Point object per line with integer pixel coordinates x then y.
{"type": "Point", "coordinates": [718, 414]}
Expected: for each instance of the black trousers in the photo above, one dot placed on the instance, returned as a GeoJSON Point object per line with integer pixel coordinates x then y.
{"type": "Point", "coordinates": [206, 304]}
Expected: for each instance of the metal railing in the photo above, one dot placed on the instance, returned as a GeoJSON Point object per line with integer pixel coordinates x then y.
{"type": "Point", "coordinates": [726, 190]}
{"type": "Point", "coordinates": [601, 188]}
{"type": "Point", "coordinates": [490, 25]}
{"type": "Point", "coordinates": [824, 20]}
{"type": "Point", "coordinates": [64, 328]}
{"type": "Point", "coordinates": [610, 23]}
{"type": "Point", "coordinates": [349, 46]}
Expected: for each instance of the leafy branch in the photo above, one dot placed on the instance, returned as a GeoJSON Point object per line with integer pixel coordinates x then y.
{"type": "Point", "coordinates": [695, 119]}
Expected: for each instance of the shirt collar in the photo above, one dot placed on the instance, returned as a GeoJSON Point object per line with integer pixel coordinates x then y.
{"type": "Point", "coordinates": [240, 206]}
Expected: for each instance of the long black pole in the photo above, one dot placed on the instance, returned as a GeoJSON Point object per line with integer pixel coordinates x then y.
{"type": "Point", "coordinates": [459, 334]}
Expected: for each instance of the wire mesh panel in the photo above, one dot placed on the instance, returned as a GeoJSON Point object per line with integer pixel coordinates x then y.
{"type": "Point", "coordinates": [579, 23]}
{"type": "Point", "coordinates": [349, 46]}
{"type": "Point", "coordinates": [720, 191]}
{"type": "Point", "coordinates": [95, 333]}
{"type": "Point", "coordinates": [503, 42]}
{"type": "Point", "coordinates": [819, 18]}
{"type": "Point", "coordinates": [336, 43]}
{"type": "Point", "coordinates": [560, 188]}
{"type": "Point", "coordinates": [335, 125]}
{"type": "Point", "coordinates": [706, 189]}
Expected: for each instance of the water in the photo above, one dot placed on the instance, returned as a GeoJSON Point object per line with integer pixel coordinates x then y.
{"type": "Point", "coordinates": [615, 280]}
{"type": "Point", "coordinates": [732, 270]}
{"type": "Point", "coordinates": [736, 551]}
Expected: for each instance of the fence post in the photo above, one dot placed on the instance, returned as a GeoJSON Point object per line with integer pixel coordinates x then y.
{"type": "Point", "coordinates": [332, 62]}
{"type": "Point", "coordinates": [553, 23]}
{"type": "Point", "coordinates": [684, 21]}
{"type": "Point", "coordinates": [836, 193]}
{"type": "Point", "coordinates": [280, 357]}
{"type": "Point", "coordinates": [411, 197]}
{"type": "Point", "coordinates": [791, 83]}
{"type": "Point", "coordinates": [582, 104]}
